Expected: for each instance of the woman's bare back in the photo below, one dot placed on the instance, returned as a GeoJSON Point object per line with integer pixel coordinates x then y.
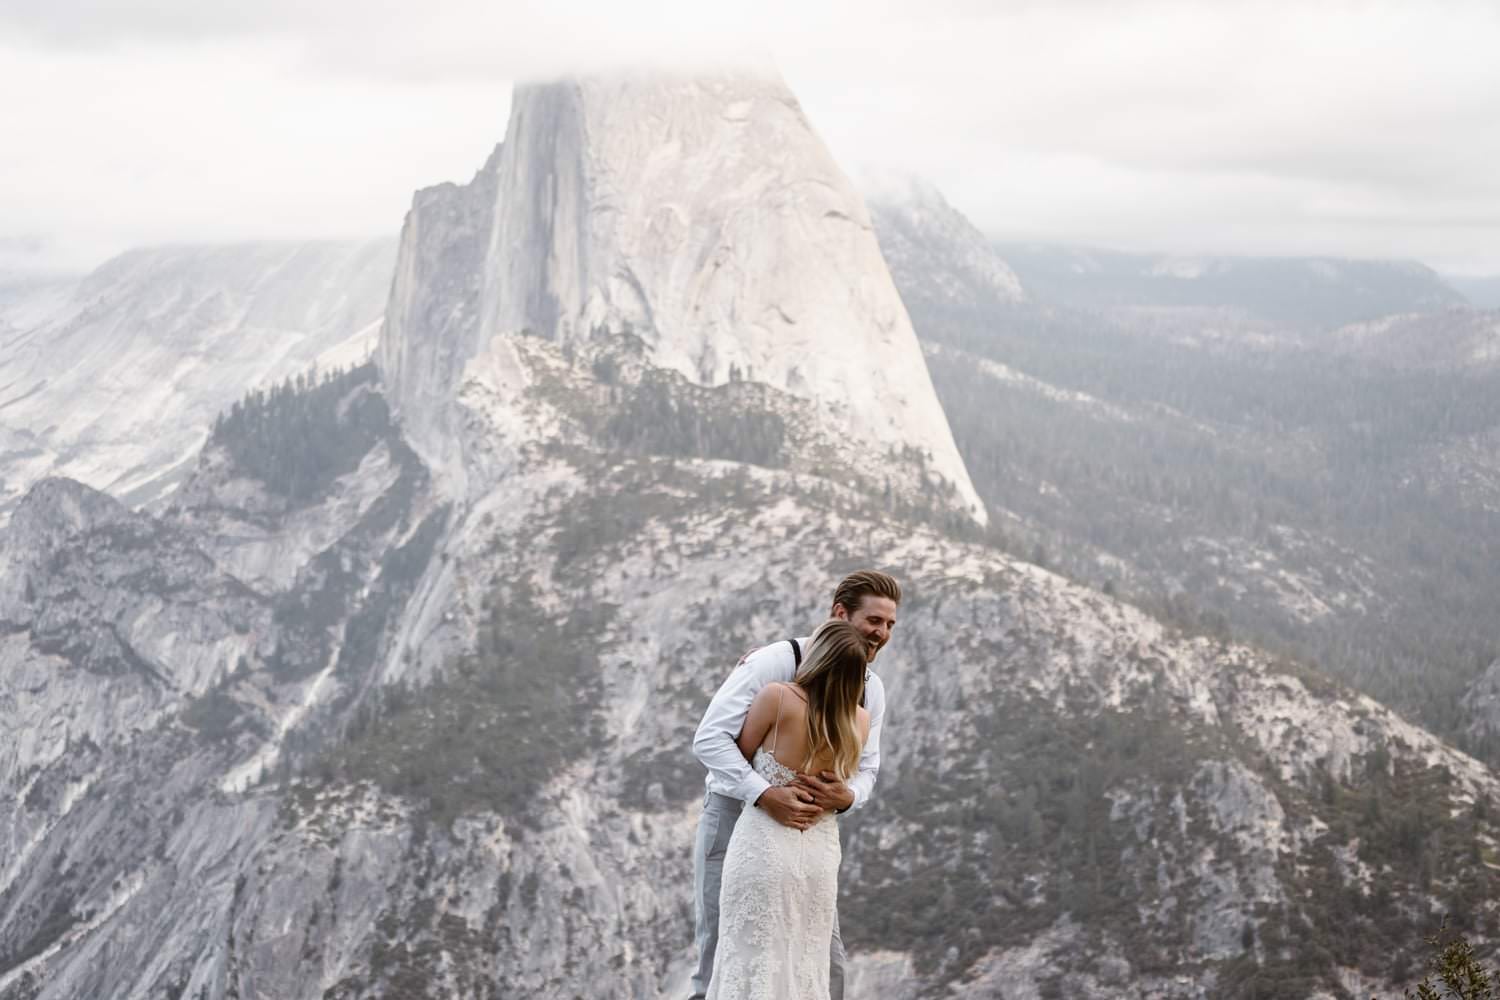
{"type": "Point", "coordinates": [786, 737]}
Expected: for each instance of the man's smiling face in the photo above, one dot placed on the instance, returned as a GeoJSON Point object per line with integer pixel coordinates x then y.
{"type": "Point", "coordinates": [874, 618]}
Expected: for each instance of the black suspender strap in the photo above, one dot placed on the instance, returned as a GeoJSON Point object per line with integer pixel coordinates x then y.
{"type": "Point", "coordinates": [796, 654]}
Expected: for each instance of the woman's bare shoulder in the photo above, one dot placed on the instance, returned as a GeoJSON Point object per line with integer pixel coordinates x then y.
{"type": "Point", "coordinates": [775, 691]}
{"type": "Point", "coordinates": [775, 696]}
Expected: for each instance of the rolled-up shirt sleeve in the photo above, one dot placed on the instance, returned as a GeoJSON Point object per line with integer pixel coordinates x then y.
{"type": "Point", "coordinates": [863, 782]}
{"type": "Point", "coordinates": [714, 744]}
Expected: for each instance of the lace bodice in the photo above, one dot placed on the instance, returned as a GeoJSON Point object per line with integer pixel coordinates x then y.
{"type": "Point", "coordinates": [767, 766]}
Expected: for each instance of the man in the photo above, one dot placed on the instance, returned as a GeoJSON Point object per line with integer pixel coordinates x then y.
{"type": "Point", "coordinates": [867, 599]}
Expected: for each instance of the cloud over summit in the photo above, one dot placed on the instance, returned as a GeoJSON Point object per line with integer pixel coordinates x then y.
{"type": "Point", "coordinates": [1352, 129]}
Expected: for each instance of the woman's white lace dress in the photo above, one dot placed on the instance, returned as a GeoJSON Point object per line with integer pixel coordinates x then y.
{"type": "Point", "coordinates": [776, 904]}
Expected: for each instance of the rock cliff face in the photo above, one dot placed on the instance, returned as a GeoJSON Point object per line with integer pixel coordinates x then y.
{"type": "Point", "coordinates": [394, 696]}
{"type": "Point", "coordinates": [703, 220]}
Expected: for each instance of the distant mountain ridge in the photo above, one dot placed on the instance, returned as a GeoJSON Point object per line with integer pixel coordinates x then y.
{"type": "Point", "coordinates": [114, 378]}
{"type": "Point", "coordinates": [1320, 292]}
{"type": "Point", "coordinates": [921, 233]}
{"type": "Point", "coordinates": [1483, 291]}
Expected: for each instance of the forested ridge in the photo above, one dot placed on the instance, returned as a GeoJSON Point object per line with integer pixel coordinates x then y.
{"type": "Point", "coordinates": [300, 435]}
{"type": "Point", "coordinates": [1331, 468]}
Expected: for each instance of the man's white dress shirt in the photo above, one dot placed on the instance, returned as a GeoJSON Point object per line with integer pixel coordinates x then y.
{"type": "Point", "coordinates": [729, 773]}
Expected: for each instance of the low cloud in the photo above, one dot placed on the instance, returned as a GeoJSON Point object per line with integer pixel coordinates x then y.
{"type": "Point", "coordinates": [1357, 129]}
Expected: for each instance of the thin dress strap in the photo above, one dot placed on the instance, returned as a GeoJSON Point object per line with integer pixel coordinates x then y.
{"type": "Point", "coordinates": [777, 730]}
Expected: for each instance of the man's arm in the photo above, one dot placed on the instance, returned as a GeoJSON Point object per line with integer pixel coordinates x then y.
{"type": "Point", "coordinates": [714, 743]}
{"type": "Point", "coordinates": [863, 782]}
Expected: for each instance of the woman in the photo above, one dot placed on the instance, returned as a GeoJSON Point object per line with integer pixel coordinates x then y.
{"type": "Point", "coordinates": [780, 885]}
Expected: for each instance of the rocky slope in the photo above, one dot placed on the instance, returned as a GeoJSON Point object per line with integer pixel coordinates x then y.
{"type": "Point", "coordinates": [154, 690]}
{"type": "Point", "coordinates": [1075, 797]}
{"type": "Point", "coordinates": [938, 258]}
{"type": "Point", "coordinates": [114, 380]}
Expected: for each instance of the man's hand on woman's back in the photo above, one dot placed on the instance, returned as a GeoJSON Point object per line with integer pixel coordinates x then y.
{"type": "Point", "coordinates": [790, 805]}
{"type": "Point", "coordinates": [827, 791]}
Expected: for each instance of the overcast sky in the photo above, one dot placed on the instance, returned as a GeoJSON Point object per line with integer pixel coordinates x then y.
{"type": "Point", "coordinates": [1356, 129]}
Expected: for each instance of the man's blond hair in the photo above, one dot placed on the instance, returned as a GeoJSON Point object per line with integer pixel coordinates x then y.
{"type": "Point", "coordinates": [855, 587]}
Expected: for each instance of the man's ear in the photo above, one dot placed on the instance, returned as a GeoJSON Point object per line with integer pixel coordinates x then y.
{"type": "Point", "coordinates": [839, 611]}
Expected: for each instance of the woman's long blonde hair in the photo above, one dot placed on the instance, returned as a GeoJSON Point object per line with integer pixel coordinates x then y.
{"type": "Point", "coordinates": [833, 678]}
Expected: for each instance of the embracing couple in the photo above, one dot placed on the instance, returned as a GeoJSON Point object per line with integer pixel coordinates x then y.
{"type": "Point", "coordinates": [790, 739]}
